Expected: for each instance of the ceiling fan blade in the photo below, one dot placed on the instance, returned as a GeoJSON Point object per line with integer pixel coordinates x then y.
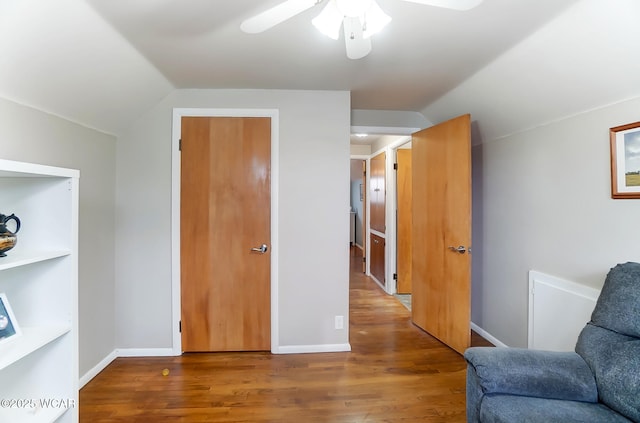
{"type": "Point", "coordinates": [277, 14]}
{"type": "Point", "coordinates": [357, 45]}
{"type": "Point", "coordinates": [449, 4]}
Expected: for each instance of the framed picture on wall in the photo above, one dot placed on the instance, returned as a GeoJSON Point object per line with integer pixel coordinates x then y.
{"type": "Point", "coordinates": [8, 325]}
{"type": "Point", "coordinates": [625, 161]}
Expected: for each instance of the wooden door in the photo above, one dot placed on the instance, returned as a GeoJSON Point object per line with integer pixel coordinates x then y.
{"type": "Point", "coordinates": [403, 160]}
{"type": "Point", "coordinates": [377, 193]}
{"type": "Point", "coordinates": [441, 275]}
{"type": "Point", "coordinates": [377, 258]}
{"type": "Point", "coordinates": [224, 213]}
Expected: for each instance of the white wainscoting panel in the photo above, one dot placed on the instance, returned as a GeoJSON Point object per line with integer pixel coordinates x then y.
{"type": "Point", "coordinates": [558, 310]}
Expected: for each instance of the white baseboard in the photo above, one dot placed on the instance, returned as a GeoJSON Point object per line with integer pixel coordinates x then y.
{"type": "Point", "coordinates": [373, 278]}
{"type": "Point", "coordinates": [168, 352]}
{"type": "Point", "coordinates": [305, 349]}
{"type": "Point", "coordinates": [125, 352]}
{"type": "Point", "coordinates": [145, 352]}
{"type": "Point", "coordinates": [97, 368]}
{"type": "Point", "coordinates": [486, 335]}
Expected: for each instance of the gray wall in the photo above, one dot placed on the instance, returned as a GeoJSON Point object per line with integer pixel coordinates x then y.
{"type": "Point", "coordinates": [32, 136]}
{"type": "Point", "coordinates": [542, 201]}
{"type": "Point", "coordinates": [313, 239]}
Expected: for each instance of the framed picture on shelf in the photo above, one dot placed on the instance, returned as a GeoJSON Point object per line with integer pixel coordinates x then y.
{"type": "Point", "coordinates": [625, 161]}
{"type": "Point", "coordinates": [8, 325]}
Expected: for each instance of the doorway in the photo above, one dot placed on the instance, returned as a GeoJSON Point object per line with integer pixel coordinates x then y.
{"type": "Point", "coordinates": [381, 142]}
{"type": "Point", "coordinates": [456, 325]}
{"type": "Point", "coordinates": [357, 213]}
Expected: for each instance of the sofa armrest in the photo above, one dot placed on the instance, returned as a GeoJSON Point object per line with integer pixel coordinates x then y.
{"type": "Point", "coordinates": [534, 373]}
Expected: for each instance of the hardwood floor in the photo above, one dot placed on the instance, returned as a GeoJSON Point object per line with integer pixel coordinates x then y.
{"type": "Point", "coordinates": [394, 373]}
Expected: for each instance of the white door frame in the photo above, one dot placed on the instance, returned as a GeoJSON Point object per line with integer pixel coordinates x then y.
{"type": "Point", "coordinates": [390, 253]}
{"type": "Point", "coordinates": [178, 113]}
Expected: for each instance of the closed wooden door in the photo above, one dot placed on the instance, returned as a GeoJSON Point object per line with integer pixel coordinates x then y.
{"type": "Point", "coordinates": [377, 193]}
{"type": "Point", "coordinates": [405, 206]}
{"type": "Point", "coordinates": [441, 268]}
{"type": "Point", "coordinates": [378, 258]}
{"type": "Point", "coordinates": [224, 221]}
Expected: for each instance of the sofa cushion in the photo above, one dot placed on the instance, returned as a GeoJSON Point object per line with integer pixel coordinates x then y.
{"type": "Point", "coordinates": [615, 362]}
{"type": "Point", "coordinates": [618, 306]}
{"type": "Point", "coordinates": [512, 408]}
{"type": "Point", "coordinates": [535, 373]}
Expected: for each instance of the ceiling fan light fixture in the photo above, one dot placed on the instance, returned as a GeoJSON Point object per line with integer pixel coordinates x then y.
{"type": "Point", "coordinates": [329, 20]}
{"type": "Point", "coordinates": [374, 20]}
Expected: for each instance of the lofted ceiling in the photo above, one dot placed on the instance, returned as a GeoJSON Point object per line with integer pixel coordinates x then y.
{"type": "Point", "coordinates": [102, 63]}
{"type": "Point", "coordinates": [424, 52]}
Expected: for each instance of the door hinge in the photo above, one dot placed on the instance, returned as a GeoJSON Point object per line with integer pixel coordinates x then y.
{"type": "Point", "coordinates": [395, 166]}
{"type": "Point", "coordinates": [180, 326]}
{"type": "Point", "coordinates": [180, 144]}
{"type": "Point", "coordinates": [395, 276]}
{"type": "Point", "coordinates": [364, 259]}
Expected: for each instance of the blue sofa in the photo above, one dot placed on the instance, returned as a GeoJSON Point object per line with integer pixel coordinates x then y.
{"type": "Point", "coordinates": [599, 382]}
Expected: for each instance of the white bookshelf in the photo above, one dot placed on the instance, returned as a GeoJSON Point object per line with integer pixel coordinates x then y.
{"type": "Point", "coordinates": [39, 368]}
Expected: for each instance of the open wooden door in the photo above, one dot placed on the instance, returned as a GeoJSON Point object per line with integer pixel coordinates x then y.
{"type": "Point", "coordinates": [441, 265]}
{"type": "Point", "coordinates": [225, 229]}
{"type": "Point", "coordinates": [404, 205]}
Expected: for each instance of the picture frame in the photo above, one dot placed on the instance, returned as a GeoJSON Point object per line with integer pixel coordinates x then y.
{"type": "Point", "coordinates": [9, 328]}
{"type": "Point", "coordinates": [625, 161]}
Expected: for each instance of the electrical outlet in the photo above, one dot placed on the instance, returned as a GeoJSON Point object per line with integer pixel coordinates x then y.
{"type": "Point", "coordinates": [339, 322]}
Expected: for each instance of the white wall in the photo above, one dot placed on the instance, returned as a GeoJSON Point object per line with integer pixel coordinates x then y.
{"type": "Point", "coordinates": [541, 179]}
{"type": "Point", "coordinates": [583, 59]}
{"type": "Point", "coordinates": [313, 239]}
{"type": "Point", "coordinates": [32, 136]}
{"type": "Point", "coordinates": [387, 121]}
{"type": "Point", "coordinates": [360, 150]}
{"type": "Point", "coordinates": [64, 58]}
{"type": "Point", "coordinates": [542, 201]}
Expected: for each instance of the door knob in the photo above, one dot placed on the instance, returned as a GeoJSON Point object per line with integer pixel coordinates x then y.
{"type": "Point", "coordinates": [261, 249]}
{"type": "Point", "coordinates": [461, 249]}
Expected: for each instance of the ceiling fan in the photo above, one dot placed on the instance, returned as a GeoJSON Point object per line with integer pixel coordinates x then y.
{"type": "Point", "coordinates": [359, 19]}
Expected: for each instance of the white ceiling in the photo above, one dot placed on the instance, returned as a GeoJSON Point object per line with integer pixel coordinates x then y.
{"type": "Point", "coordinates": [512, 64]}
{"type": "Point", "coordinates": [424, 52]}
{"type": "Point", "coordinates": [105, 62]}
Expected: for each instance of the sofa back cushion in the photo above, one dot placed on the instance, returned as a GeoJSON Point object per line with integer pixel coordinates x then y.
{"type": "Point", "coordinates": [610, 343]}
{"type": "Point", "coordinates": [614, 360]}
{"type": "Point", "coordinates": [618, 307]}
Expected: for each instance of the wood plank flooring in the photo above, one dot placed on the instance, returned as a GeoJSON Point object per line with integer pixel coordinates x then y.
{"type": "Point", "coordinates": [394, 373]}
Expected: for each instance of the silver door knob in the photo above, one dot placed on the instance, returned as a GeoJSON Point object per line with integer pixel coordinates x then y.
{"type": "Point", "coordinates": [261, 249]}
{"type": "Point", "coordinates": [461, 249]}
